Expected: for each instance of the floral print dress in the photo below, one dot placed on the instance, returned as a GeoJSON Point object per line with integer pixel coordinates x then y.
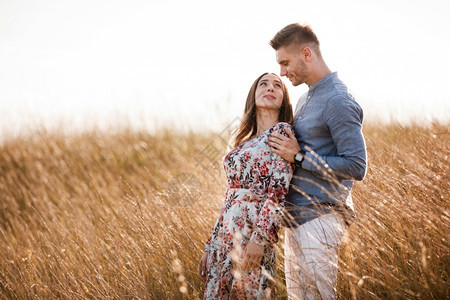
{"type": "Point", "coordinates": [258, 181]}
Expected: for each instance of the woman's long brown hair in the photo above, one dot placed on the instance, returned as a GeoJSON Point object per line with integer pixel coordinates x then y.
{"type": "Point", "coordinates": [248, 127]}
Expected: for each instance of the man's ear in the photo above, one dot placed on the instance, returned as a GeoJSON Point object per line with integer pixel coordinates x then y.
{"type": "Point", "coordinates": [307, 54]}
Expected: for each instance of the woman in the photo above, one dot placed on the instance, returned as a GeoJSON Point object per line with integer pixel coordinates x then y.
{"type": "Point", "coordinates": [239, 258]}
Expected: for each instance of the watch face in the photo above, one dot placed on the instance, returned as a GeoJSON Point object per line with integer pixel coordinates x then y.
{"type": "Point", "coordinates": [299, 157]}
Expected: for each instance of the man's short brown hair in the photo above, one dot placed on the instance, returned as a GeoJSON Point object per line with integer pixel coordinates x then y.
{"type": "Point", "coordinates": [295, 34]}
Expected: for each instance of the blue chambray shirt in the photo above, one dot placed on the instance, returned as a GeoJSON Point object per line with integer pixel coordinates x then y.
{"type": "Point", "coordinates": [328, 127]}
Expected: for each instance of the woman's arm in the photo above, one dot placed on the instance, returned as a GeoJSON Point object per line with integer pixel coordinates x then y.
{"type": "Point", "coordinates": [269, 219]}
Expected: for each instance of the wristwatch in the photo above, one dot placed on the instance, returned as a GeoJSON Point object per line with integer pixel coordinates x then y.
{"type": "Point", "coordinates": [298, 158]}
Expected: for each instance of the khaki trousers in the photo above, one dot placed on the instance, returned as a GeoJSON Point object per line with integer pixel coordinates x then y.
{"type": "Point", "coordinates": [311, 252]}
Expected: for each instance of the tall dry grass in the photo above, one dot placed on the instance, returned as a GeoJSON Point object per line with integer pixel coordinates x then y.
{"type": "Point", "coordinates": [126, 214]}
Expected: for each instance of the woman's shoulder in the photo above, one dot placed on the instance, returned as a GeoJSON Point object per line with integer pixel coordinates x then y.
{"type": "Point", "coordinates": [281, 127]}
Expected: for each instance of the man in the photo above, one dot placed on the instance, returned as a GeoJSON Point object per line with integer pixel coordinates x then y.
{"type": "Point", "coordinates": [329, 153]}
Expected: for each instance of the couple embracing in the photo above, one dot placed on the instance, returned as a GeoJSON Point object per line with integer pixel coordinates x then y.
{"type": "Point", "coordinates": [287, 169]}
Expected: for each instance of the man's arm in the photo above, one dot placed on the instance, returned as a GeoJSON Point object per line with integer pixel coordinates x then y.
{"type": "Point", "coordinates": [344, 120]}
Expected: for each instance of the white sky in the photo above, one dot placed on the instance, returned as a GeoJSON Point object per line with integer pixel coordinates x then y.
{"type": "Point", "coordinates": [191, 63]}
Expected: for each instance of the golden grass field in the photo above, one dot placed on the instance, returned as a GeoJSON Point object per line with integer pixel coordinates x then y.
{"type": "Point", "coordinates": [125, 214]}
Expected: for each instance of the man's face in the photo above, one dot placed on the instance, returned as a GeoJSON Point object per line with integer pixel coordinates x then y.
{"type": "Point", "coordinates": [292, 65]}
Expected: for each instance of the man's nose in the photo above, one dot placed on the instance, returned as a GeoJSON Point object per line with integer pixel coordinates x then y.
{"type": "Point", "coordinates": [282, 71]}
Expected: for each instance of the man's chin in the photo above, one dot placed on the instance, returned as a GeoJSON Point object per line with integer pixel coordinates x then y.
{"type": "Point", "coordinates": [295, 82]}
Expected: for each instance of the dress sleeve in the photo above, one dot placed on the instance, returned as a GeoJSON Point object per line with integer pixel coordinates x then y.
{"type": "Point", "coordinates": [269, 219]}
{"type": "Point", "coordinates": [208, 242]}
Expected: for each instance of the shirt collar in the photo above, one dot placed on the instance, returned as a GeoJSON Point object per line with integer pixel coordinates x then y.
{"type": "Point", "coordinates": [323, 80]}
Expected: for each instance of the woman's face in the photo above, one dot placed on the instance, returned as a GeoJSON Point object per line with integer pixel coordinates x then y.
{"type": "Point", "coordinates": [269, 93]}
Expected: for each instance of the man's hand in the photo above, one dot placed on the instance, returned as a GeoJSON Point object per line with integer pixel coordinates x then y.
{"type": "Point", "coordinates": [252, 256]}
{"type": "Point", "coordinates": [286, 147]}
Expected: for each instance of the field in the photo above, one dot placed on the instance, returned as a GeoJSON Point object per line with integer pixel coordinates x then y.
{"type": "Point", "coordinates": [125, 214]}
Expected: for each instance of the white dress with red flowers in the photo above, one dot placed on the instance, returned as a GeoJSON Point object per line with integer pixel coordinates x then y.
{"type": "Point", "coordinates": [258, 181]}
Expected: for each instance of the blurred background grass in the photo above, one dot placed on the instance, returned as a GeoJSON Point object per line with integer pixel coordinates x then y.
{"type": "Point", "coordinates": [125, 214]}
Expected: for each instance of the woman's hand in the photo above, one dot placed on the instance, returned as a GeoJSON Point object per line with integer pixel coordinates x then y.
{"type": "Point", "coordinates": [202, 266]}
{"type": "Point", "coordinates": [286, 147]}
{"type": "Point", "coordinates": [252, 256]}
